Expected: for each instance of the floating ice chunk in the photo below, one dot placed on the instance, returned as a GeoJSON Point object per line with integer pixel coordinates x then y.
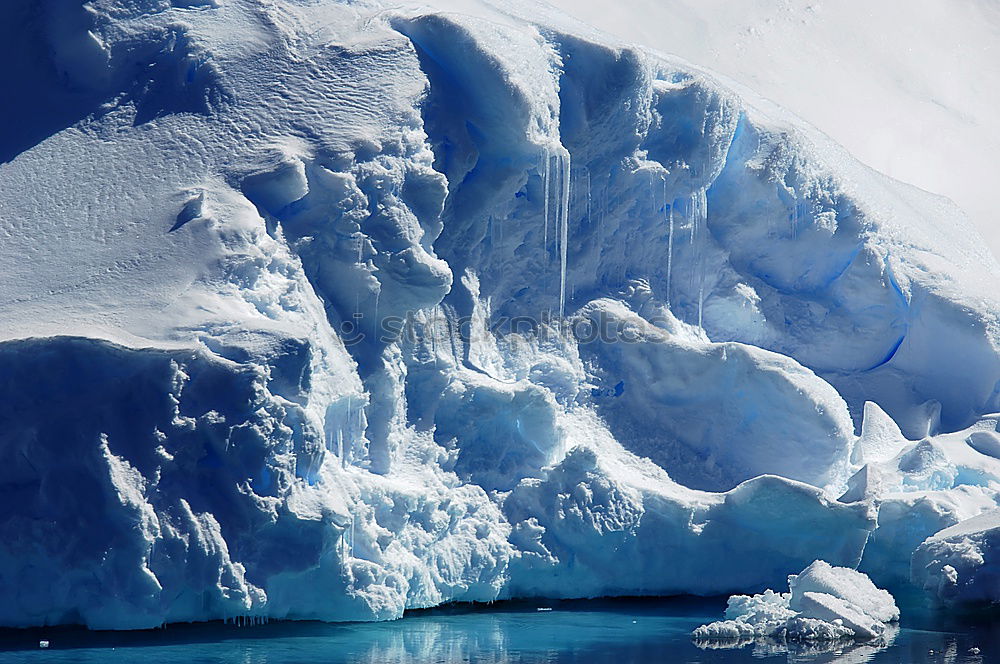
{"type": "Point", "coordinates": [769, 606]}
{"type": "Point", "coordinates": [726, 630]}
{"type": "Point", "coordinates": [750, 616]}
{"type": "Point", "coordinates": [828, 608]}
{"type": "Point", "coordinates": [801, 628]}
{"type": "Point", "coordinates": [825, 603]}
{"type": "Point", "coordinates": [846, 584]}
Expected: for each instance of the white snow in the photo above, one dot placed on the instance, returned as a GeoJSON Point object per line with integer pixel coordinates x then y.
{"type": "Point", "coordinates": [280, 328]}
{"type": "Point", "coordinates": [909, 87]}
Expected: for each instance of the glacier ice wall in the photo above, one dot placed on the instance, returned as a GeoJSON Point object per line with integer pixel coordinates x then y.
{"type": "Point", "coordinates": [329, 310]}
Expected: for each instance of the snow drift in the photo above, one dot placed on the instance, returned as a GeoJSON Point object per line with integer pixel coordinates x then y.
{"type": "Point", "coordinates": [330, 310]}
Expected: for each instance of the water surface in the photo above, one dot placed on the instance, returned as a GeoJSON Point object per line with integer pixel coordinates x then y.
{"type": "Point", "coordinates": [614, 631]}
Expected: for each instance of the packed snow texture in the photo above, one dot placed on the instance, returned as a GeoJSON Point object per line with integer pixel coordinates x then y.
{"type": "Point", "coordinates": [280, 321]}
{"type": "Point", "coordinates": [824, 603]}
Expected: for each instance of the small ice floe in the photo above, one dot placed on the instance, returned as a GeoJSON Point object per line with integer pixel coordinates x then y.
{"type": "Point", "coordinates": [825, 603]}
{"type": "Point", "coordinates": [43, 644]}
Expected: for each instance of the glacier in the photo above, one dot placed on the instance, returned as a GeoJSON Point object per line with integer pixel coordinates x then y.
{"type": "Point", "coordinates": [330, 310]}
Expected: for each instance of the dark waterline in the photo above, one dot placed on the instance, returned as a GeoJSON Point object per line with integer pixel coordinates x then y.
{"type": "Point", "coordinates": [618, 631]}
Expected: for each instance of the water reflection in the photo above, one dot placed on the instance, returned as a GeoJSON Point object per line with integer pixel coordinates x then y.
{"type": "Point", "coordinates": [840, 651]}
{"type": "Point", "coordinates": [574, 632]}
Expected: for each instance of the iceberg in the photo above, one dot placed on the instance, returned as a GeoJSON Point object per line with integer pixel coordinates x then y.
{"type": "Point", "coordinates": [285, 332]}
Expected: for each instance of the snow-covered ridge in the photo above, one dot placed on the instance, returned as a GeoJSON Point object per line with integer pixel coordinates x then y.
{"type": "Point", "coordinates": [205, 417]}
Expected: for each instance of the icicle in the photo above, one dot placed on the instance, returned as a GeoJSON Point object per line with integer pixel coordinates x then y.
{"type": "Point", "coordinates": [565, 166]}
{"type": "Point", "coordinates": [693, 215]}
{"type": "Point", "coordinates": [587, 170]}
{"type": "Point", "coordinates": [607, 199]}
{"type": "Point", "coordinates": [352, 534]}
{"type": "Point", "coordinates": [669, 210]}
{"type": "Point", "coordinates": [429, 330]}
{"type": "Point", "coordinates": [795, 218]}
{"type": "Point", "coordinates": [603, 208]}
{"type": "Point", "coordinates": [454, 342]}
{"type": "Point", "coordinates": [702, 218]}
{"type": "Point", "coordinates": [545, 185]}
{"type": "Point", "coordinates": [343, 443]}
{"type": "Point", "coordinates": [701, 299]}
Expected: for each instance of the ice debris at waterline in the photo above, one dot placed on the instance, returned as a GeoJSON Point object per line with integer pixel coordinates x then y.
{"type": "Point", "coordinates": [280, 332]}
{"type": "Point", "coordinates": [824, 603]}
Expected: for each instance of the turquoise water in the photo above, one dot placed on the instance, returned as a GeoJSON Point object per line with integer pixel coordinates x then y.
{"type": "Point", "coordinates": [621, 632]}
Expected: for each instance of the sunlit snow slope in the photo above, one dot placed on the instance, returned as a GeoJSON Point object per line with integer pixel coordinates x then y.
{"type": "Point", "coordinates": [910, 87]}
{"type": "Point", "coordinates": [281, 331]}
